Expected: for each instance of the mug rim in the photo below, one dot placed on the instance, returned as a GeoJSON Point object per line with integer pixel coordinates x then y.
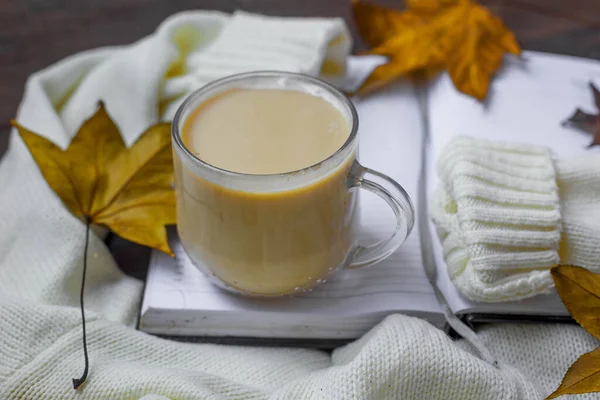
{"type": "Point", "coordinates": [339, 95]}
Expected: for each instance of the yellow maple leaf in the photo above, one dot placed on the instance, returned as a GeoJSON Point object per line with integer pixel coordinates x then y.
{"type": "Point", "coordinates": [582, 377]}
{"type": "Point", "coordinates": [129, 191]}
{"type": "Point", "coordinates": [461, 36]}
{"type": "Point", "coordinates": [579, 290]}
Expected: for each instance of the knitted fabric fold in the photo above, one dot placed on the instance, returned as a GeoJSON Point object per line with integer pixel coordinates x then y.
{"type": "Point", "coordinates": [145, 82]}
{"type": "Point", "coordinates": [250, 42]}
{"type": "Point", "coordinates": [498, 213]}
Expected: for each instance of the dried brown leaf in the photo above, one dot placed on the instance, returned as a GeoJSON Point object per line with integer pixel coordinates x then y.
{"type": "Point", "coordinates": [581, 120]}
{"type": "Point", "coordinates": [581, 377]}
{"type": "Point", "coordinates": [596, 94]}
{"type": "Point", "coordinates": [579, 290]}
{"type": "Point", "coordinates": [458, 35]}
{"type": "Point", "coordinates": [586, 122]}
{"type": "Point", "coordinates": [128, 190]}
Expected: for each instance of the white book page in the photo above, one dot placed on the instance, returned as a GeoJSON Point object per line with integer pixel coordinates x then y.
{"type": "Point", "coordinates": [527, 103]}
{"type": "Point", "coordinates": [390, 135]}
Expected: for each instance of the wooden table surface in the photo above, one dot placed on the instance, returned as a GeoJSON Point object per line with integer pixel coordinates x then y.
{"type": "Point", "coordinates": [36, 33]}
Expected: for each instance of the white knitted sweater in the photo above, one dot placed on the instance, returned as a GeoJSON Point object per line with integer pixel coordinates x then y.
{"type": "Point", "coordinates": [507, 212]}
{"type": "Point", "coordinates": [41, 254]}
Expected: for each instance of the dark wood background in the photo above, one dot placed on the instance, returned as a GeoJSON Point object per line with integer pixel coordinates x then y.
{"type": "Point", "coordinates": [36, 33]}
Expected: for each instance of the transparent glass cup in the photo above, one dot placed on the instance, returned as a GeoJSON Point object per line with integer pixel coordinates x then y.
{"type": "Point", "coordinates": [277, 234]}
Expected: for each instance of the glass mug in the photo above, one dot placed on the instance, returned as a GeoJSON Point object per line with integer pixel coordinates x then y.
{"type": "Point", "coordinates": [278, 234]}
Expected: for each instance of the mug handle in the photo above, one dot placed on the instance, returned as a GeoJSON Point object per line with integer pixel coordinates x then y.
{"type": "Point", "coordinates": [397, 198]}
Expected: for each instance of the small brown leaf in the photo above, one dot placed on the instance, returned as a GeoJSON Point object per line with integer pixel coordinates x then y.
{"type": "Point", "coordinates": [586, 122]}
{"type": "Point", "coordinates": [579, 290]}
{"type": "Point", "coordinates": [582, 120]}
{"type": "Point", "coordinates": [596, 139]}
{"type": "Point", "coordinates": [582, 377]}
{"type": "Point", "coordinates": [596, 94]}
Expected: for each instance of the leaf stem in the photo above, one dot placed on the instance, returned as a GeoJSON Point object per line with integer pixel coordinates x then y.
{"type": "Point", "coordinates": [80, 381]}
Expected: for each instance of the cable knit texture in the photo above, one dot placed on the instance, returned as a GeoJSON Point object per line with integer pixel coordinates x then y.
{"type": "Point", "coordinates": [506, 213]}
{"type": "Point", "coordinates": [41, 248]}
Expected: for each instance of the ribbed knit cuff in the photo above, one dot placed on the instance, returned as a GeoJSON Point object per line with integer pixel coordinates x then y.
{"type": "Point", "coordinates": [251, 42]}
{"type": "Point", "coordinates": [498, 215]}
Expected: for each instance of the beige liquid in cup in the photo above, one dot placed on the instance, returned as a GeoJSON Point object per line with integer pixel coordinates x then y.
{"type": "Point", "coordinates": [266, 243]}
{"type": "Point", "coordinates": [265, 131]}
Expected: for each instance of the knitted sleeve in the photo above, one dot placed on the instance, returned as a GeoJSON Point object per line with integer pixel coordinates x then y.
{"type": "Point", "coordinates": [251, 42]}
{"type": "Point", "coordinates": [506, 213]}
{"type": "Point", "coordinates": [147, 81]}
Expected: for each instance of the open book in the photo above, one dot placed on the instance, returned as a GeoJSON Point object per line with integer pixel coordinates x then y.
{"type": "Point", "coordinates": [402, 131]}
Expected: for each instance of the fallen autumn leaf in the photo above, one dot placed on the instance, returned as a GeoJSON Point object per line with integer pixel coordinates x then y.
{"type": "Point", "coordinates": [130, 191]}
{"type": "Point", "coordinates": [126, 190]}
{"type": "Point", "coordinates": [579, 290]}
{"type": "Point", "coordinates": [461, 36]}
